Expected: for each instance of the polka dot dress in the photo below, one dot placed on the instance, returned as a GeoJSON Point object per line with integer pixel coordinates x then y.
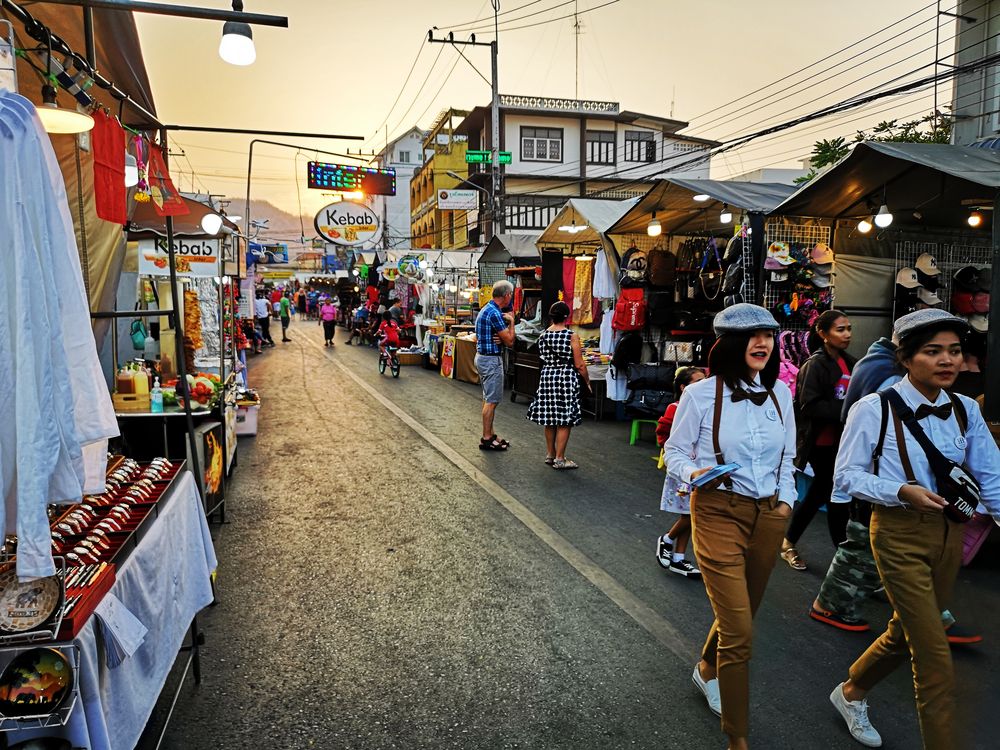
{"type": "Point", "coordinates": [557, 401]}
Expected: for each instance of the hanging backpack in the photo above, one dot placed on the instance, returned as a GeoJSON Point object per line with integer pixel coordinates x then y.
{"type": "Point", "coordinates": [662, 267]}
{"type": "Point", "coordinates": [633, 268]}
{"type": "Point", "coordinates": [630, 310]}
{"type": "Point", "coordinates": [628, 351]}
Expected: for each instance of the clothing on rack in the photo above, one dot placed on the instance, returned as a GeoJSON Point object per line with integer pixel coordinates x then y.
{"type": "Point", "coordinates": [605, 285]}
{"type": "Point", "coordinates": [57, 415]}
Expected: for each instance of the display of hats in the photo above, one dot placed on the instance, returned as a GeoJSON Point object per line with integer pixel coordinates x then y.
{"type": "Point", "coordinates": [979, 323]}
{"type": "Point", "coordinates": [822, 282]}
{"type": "Point", "coordinates": [928, 297]}
{"type": "Point", "coordinates": [966, 278]}
{"type": "Point", "coordinates": [981, 302]}
{"type": "Point", "coordinates": [984, 279]}
{"type": "Point", "coordinates": [35, 683]}
{"type": "Point", "coordinates": [780, 277]}
{"type": "Point", "coordinates": [961, 303]}
{"type": "Point", "coordinates": [778, 256]}
{"type": "Point", "coordinates": [907, 278]}
{"type": "Point", "coordinates": [927, 264]}
{"type": "Point", "coordinates": [929, 281]}
{"type": "Point", "coordinates": [821, 254]}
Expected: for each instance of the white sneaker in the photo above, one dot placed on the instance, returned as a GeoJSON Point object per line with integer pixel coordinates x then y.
{"type": "Point", "coordinates": [855, 714]}
{"type": "Point", "coordinates": [710, 690]}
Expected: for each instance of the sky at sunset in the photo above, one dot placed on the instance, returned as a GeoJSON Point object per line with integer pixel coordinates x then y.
{"type": "Point", "coordinates": [339, 67]}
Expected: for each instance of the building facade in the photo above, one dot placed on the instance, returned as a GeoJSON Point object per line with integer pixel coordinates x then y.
{"type": "Point", "coordinates": [405, 155]}
{"type": "Point", "coordinates": [976, 97]}
{"type": "Point", "coordinates": [564, 148]}
{"type": "Point", "coordinates": [430, 225]}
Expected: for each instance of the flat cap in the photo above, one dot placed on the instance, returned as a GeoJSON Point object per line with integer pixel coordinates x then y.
{"type": "Point", "coordinates": [915, 321]}
{"type": "Point", "coordinates": [744, 317]}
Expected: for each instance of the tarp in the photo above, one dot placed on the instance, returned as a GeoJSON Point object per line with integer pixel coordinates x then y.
{"type": "Point", "coordinates": [147, 222]}
{"type": "Point", "coordinates": [441, 259]}
{"type": "Point", "coordinates": [506, 248]}
{"type": "Point", "coordinates": [677, 211]}
{"type": "Point", "coordinates": [933, 180]}
{"type": "Point", "coordinates": [597, 215]}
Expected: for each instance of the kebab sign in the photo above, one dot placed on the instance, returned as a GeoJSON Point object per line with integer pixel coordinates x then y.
{"type": "Point", "coordinates": [349, 224]}
{"type": "Point", "coordinates": [192, 257]}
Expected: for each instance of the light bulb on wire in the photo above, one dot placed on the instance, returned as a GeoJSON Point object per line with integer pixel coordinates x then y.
{"type": "Point", "coordinates": [864, 226]}
{"type": "Point", "coordinates": [975, 219]}
{"type": "Point", "coordinates": [237, 47]}
{"type": "Point", "coordinates": [884, 217]}
{"type": "Point", "coordinates": [726, 217]}
{"type": "Point", "coordinates": [654, 228]}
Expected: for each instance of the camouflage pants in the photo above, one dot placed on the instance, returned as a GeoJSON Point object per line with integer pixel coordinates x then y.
{"type": "Point", "coordinates": [852, 576]}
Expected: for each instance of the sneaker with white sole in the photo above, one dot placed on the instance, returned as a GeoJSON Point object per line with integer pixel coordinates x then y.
{"type": "Point", "coordinates": [855, 715]}
{"type": "Point", "coordinates": [663, 551]}
{"type": "Point", "coordinates": [710, 689]}
{"type": "Point", "coordinates": [684, 568]}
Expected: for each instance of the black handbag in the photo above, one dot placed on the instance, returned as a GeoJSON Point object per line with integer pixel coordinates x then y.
{"type": "Point", "coordinates": [649, 402]}
{"type": "Point", "coordinates": [651, 376]}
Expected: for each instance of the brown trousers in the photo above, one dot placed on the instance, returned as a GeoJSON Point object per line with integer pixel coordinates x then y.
{"type": "Point", "coordinates": [918, 555]}
{"type": "Point", "coordinates": [736, 542]}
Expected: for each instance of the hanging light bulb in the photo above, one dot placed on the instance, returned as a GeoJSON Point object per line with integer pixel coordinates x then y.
{"type": "Point", "coordinates": [236, 47]}
{"type": "Point", "coordinates": [430, 273]}
{"type": "Point", "coordinates": [975, 219]}
{"type": "Point", "coordinates": [864, 226]}
{"type": "Point", "coordinates": [58, 120]}
{"type": "Point", "coordinates": [211, 223]}
{"type": "Point", "coordinates": [701, 197]}
{"type": "Point", "coordinates": [883, 218]}
{"type": "Point", "coordinates": [726, 217]}
{"type": "Point", "coordinates": [654, 228]}
{"type": "Point", "coordinates": [131, 171]}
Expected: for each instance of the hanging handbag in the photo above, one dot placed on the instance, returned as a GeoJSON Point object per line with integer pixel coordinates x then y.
{"type": "Point", "coordinates": [678, 352]}
{"type": "Point", "coordinates": [709, 280]}
{"type": "Point", "coordinates": [138, 334]}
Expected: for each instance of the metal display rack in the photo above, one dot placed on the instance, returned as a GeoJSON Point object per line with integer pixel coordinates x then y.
{"type": "Point", "coordinates": [950, 257]}
{"type": "Point", "coordinates": [802, 234]}
{"type": "Point", "coordinates": [59, 717]}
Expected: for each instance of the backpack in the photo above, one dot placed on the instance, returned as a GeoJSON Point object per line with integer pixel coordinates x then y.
{"type": "Point", "coordinates": [732, 284]}
{"type": "Point", "coordinates": [628, 351]}
{"type": "Point", "coordinates": [633, 268]}
{"type": "Point", "coordinates": [662, 267]}
{"type": "Point", "coordinates": [630, 310]}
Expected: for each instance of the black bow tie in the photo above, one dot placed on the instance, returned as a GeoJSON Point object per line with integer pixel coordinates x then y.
{"type": "Point", "coordinates": [941, 412]}
{"type": "Point", "coordinates": [758, 397]}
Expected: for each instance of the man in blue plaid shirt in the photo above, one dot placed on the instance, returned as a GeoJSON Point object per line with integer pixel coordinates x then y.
{"type": "Point", "coordinates": [494, 330]}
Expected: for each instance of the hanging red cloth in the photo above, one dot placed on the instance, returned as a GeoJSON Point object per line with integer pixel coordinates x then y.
{"type": "Point", "coordinates": [165, 196]}
{"type": "Point", "coordinates": [569, 281]}
{"type": "Point", "coordinates": [108, 146]}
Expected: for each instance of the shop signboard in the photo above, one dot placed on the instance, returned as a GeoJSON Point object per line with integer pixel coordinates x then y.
{"type": "Point", "coordinates": [342, 177]}
{"type": "Point", "coordinates": [409, 267]}
{"type": "Point", "coordinates": [461, 200]}
{"type": "Point", "coordinates": [485, 157]}
{"type": "Point", "coordinates": [349, 224]}
{"type": "Point", "coordinates": [192, 257]}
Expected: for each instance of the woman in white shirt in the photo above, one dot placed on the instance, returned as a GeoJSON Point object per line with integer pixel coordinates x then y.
{"type": "Point", "coordinates": [741, 415]}
{"type": "Point", "coordinates": [916, 542]}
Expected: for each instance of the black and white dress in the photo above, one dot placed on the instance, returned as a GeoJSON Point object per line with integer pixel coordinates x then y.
{"type": "Point", "coordinates": [557, 401]}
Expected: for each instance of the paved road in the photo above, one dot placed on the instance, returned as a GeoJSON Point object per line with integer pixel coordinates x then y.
{"type": "Point", "coordinates": [384, 584]}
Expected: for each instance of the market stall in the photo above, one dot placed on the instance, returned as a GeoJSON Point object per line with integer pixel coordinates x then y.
{"type": "Point", "coordinates": [926, 213]}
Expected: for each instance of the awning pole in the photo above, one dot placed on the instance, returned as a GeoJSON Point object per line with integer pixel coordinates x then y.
{"type": "Point", "coordinates": [991, 407]}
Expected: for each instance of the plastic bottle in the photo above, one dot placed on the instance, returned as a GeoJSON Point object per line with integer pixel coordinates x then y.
{"type": "Point", "coordinates": [156, 398]}
{"type": "Point", "coordinates": [151, 349]}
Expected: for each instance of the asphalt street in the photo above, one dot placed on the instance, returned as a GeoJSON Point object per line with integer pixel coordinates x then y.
{"type": "Point", "coordinates": [383, 583]}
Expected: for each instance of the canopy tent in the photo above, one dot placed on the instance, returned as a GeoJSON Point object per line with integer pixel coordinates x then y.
{"type": "Point", "coordinates": [673, 201]}
{"type": "Point", "coordinates": [511, 248]}
{"type": "Point", "coordinates": [147, 222]}
{"type": "Point", "coordinates": [440, 259]}
{"type": "Point", "coordinates": [938, 181]}
{"type": "Point", "coordinates": [930, 188]}
{"type": "Point", "coordinates": [594, 214]}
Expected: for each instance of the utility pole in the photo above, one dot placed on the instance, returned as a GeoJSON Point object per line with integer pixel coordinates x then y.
{"type": "Point", "coordinates": [576, 32]}
{"type": "Point", "coordinates": [496, 219]}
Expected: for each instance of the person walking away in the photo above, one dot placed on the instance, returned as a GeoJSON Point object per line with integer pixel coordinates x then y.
{"type": "Point", "coordinates": [494, 330]}
{"type": "Point", "coordinates": [676, 497]}
{"type": "Point", "coordinates": [262, 311]}
{"type": "Point", "coordinates": [328, 313]}
{"type": "Point", "coordinates": [820, 389]}
{"type": "Point", "coordinates": [742, 414]}
{"type": "Point", "coordinates": [285, 315]}
{"type": "Point", "coordinates": [388, 333]}
{"type": "Point", "coordinates": [916, 539]}
{"type": "Point", "coordinates": [556, 404]}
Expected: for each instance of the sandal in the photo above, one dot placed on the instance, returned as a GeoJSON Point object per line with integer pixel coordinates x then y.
{"type": "Point", "coordinates": [492, 444]}
{"type": "Point", "coordinates": [791, 556]}
{"type": "Point", "coordinates": [549, 460]}
{"type": "Point", "coordinates": [565, 463]}
{"type": "Point", "coordinates": [504, 443]}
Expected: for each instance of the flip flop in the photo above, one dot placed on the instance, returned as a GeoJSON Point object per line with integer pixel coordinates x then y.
{"type": "Point", "coordinates": [549, 460]}
{"type": "Point", "coordinates": [565, 463]}
{"type": "Point", "coordinates": [791, 556]}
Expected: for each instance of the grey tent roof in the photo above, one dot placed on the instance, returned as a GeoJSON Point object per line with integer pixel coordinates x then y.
{"type": "Point", "coordinates": [929, 179]}
{"type": "Point", "coordinates": [673, 201]}
{"type": "Point", "coordinates": [595, 213]}
{"type": "Point", "coordinates": [504, 248]}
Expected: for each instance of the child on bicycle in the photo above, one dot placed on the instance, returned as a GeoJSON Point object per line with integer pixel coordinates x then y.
{"type": "Point", "coordinates": [388, 333]}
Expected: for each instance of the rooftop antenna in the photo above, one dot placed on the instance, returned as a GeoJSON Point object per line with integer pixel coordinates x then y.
{"type": "Point", "coordinates": [577, 30]}
{"type": "Point", "coordinates": [673, 96]}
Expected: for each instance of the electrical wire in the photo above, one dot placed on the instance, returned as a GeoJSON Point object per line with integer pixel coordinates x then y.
{"type": "Point", "coordinates": [456, 26]}
{"type": "Point", "coordinates": [399, 95]}
{"type": "Point", "coordinates": [488, 25]}
{"type": "Point", "coordinates": [419, 90]}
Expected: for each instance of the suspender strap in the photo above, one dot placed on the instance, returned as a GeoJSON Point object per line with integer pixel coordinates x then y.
{"type": "Point", "coordinates": [877, 453]}
{"type": "Point", "coordinates": [717, 421]}
{"type": "Point", "coordinates": [960, 414]}
{"type": "Point", "coordinates": [904, 454]}
{"type": "Point", "coordinates": [774, 400]}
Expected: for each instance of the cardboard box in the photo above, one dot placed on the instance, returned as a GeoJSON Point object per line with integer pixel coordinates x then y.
{"type": "Point", "coordinates": [411, 358]}
{"type": "Point", "coordinates": [246, 419]}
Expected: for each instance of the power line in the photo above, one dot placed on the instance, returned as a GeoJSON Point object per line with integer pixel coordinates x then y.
{"type": "Point", "coordinates": [402, 88]}
{"type": "Point", "coordinates": [489, 21]}
{"type": "Point", "coordinates": [420, 90]}
{"type": "Point", "coordinates": [455, 26]}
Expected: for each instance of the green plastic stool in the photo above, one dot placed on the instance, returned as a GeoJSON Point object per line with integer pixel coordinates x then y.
{"type": "Point", "coordinates": [637, 427]}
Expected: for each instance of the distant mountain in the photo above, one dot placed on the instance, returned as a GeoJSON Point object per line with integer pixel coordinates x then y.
{"type": "Point", "coordinates": [282, 226]}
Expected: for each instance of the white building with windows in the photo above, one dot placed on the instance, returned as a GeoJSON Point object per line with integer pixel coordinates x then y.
{"type": "Point", "coordinates": [976, 99]}
{"type": "Point", "coordinates": [405, 154]}
{"type": "Point", "coordinates": [563, 148]}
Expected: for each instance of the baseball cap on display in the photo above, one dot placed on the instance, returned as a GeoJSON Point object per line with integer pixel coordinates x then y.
{"type": "Point", "coordinates": [961, 302]}
{"type": "Point", "coordinates": [928, 264]}
{"type": "Point", "coordinates": [966, 278]}
{"type": "Point", "coordinates": [821, 282]}
{"type": "Point", "coordinates": [779, 253]}
{"type": "Point", "coordinates": [928, 297]}
{"type": "Point", "coordinates": [907, 278]}
{"type": "Point", "coordinates": [821, 254]}
{"type": "Point", "coordinates": [929, 281]}
{"type": "Point", "coordinates": [984, 278]}
{"type": "Point", "coordinates": [979, 323]}
{"type": "Point", "coordinates": [981, 302]}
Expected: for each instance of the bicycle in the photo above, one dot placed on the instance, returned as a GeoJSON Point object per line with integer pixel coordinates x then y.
{"type": "Point", "coordinates": [389, 357]}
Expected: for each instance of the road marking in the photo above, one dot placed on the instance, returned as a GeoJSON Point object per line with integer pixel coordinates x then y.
{"type": "Point", "coordinates": [634, 607]}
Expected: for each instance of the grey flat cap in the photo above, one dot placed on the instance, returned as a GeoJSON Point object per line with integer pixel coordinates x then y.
{"type": "Point", "coordinates": [914, 321]}
{"type": "Point", "coordinates": [744, 317]}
